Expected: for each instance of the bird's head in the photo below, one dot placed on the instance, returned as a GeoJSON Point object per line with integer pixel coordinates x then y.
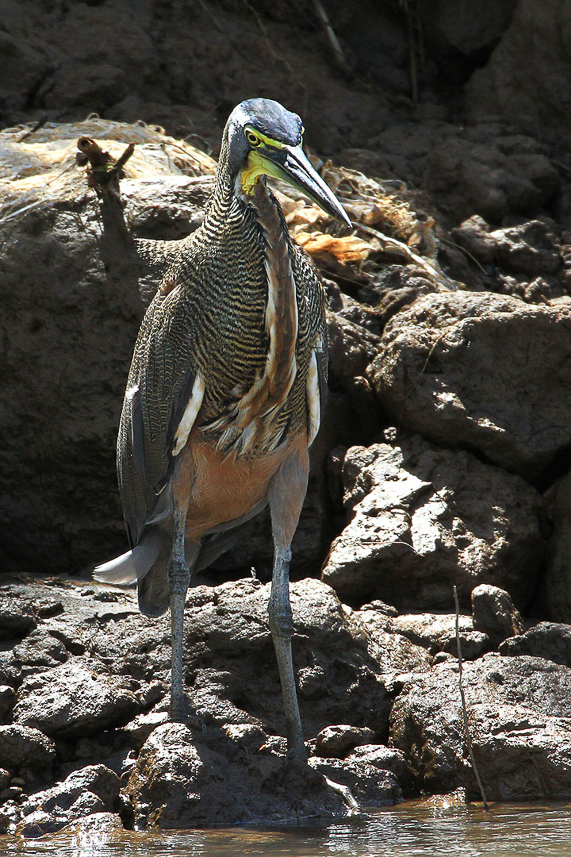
{"type": "Point", "coordinates": [263, 138]}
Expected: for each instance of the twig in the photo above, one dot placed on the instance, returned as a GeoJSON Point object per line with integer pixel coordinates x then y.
{"type": "Point", "coordinates": [39, 124]}
{"type": "Point", "coordinates": [336, 48]}
{"type": "Point", "coordinates": [464, 710]}
{"type": "Point", "coordinates": [103, 175]}
{"type": "Point", "coordinates": [412, 55]}
{"type": "Point", "coordinates": [402, 249]}
{"type": "Point", "coordinates": [103, 169]}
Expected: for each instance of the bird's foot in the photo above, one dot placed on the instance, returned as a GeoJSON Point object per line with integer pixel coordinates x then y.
{"type": "Point", "coordinates": [297, 762]}
{"type": "Point", "coordinates": [345, 794]}
{"type": "Point", "coordinates": [180, 711]}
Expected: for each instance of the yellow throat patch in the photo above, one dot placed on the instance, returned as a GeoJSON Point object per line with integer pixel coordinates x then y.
{"type": "Point", "coordinates": [256, 166]}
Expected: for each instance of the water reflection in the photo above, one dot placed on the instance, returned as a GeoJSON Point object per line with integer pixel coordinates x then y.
{"type": "Point", "coordinates": [411, 829]}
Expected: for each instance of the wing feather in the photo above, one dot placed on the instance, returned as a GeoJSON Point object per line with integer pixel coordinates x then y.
{"type": "Point", "coordinates": [160, 384]}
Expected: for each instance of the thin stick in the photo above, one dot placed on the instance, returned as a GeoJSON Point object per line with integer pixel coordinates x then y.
{"type": "Point", "coordinates": [464, 710]}
{"type": "Point", "coordinates": [39, 124]}
{"type": "Point", "coordinates": [403, 250]}
{"type": "Point", "coordinates": [331, 36]}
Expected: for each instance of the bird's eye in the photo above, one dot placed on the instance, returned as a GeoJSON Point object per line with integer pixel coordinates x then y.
{"type": "Point", "coordinates": [252, 138]}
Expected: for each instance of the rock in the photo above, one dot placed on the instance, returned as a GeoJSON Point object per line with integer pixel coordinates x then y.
{"type": "Point", "coordinates": [60, 810]}
{"type": "Point", "coordinates": [98, 779]}
{"type": "Point", "coordinates": [518, 713]}
{"type": "Point", "coordinates": [24, 748]}
{"type": "Point", "coordinates": [480, 371]}
{"type": "Point", "coordinates": [494, 613]}
{"type": "Point", "coordinates": [92, 828]}
{"type": "Point", "coordinates": [10, 675]}
{"type": "Point", "coordinates": [558, 571]}
{"type": "Point", "coordinates": [355, 771]}
{"type": "Point", "coordinates": [230, 660]}
{"type": "Point", "coordinates": [422, 515]}
{"type": "Point", "coordinates": [473, 235]}
{"type": "Point", "coordinates": [80, 364]}
{"type": "Point", "coordinates": [22, 69]}
{"type": "Point", "coordinates": [393, 650]}
{"type": "Point", "coordinates": [77, 698]}
{"type": "Point", "coordinates": [465, 28]}
{"type": "Point", "coordinates": [526, 81]}
{"type": "Point", "coordinates": [7, 700]}
{"type": "Point", "coordinates": [141, 727]}
{"type": "Point", "coordinates": [10, 815]}
{"type": "Point", "coordinates": [334, 742]}
{"type": "Point", "coordinates": [548, 640]}
{"type": "Point", "coordinates": [149, 694]}
{"type": "Point", "coordinates": [528, 249]}
{"type": "Point", "coordinates": [437, 633]}
{"type": "Point", "coordinates": [94, 789]}
{"type": "Point", "coordinates": [387, 758]}
{"type": "Point", "coordinates": [13, 622]}
{"type": "Point", "coordinates": [369, 784]}
{"type": "Point", "coordinates": [351, 349]}
{"type": "Point", "coordinates": [39, 649]}
{"type": "Point", "coordinates": [489, 178]}
{"type": "Point", "coordinates": [180, 782]}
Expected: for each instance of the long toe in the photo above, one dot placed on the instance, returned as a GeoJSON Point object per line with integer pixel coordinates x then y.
{"type": "Point", "coordinates": [313, 779]}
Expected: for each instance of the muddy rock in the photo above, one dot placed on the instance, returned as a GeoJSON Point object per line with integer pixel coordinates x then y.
{"type": "Point", "coordinates": [548, 640]}
{"type": "Point", "coordinates": [23, 748]}
{"type": "Point", "coordinates": [528, 249]}
{"type": "Point", "coordinates": [93, 789]}
{"type": "Point", "coordinates": [437, 633]}
{"type": "Point", "coordinates": [526, 80]}
{"type": "Point", "coordinates": [7, 700]}
{"type": "Point", "coordinates": [233, 619]}
{"type": "Point", "coordinates": [494, 613]}
{"type": "Point", "coordinates": [558, 571]}
{"type": "Point", "coordinates": [77, 698]}
{"type": "Point", "coordinates": [387, 758]}
{"type": "Point", "coordinates": [473, 235]}
{"type": "Point", "coordinates": [370, 784]}
{"type": "Point", "coordinates": [517, 708]}
{"type": "Point", "coordinates": [230, 661]}
{"type": "Point", "coordinates": [14, 622]}
{"type": "Point", "coordinates": [93, 827]}
{"type": "Point", "coordinates": [180, 782]}
{"type": "Point", "coordinates": [491, 178]}
{"type": "Point", "coordinates": [480, 371]}
{"type": "Point", "coordinates": [422, 515]}
{"type": "Point", "coordinates": [141, 727]}
{"type": "Point", "coordinates": [351, 349]}
{"type": "Point", "coordinates": [38, 650]}
{"type": "Point", "coordinates": [465, 28]}
{"type": "Point", "coordinates": [59, 809]}
{"type": "Point", "coordinates": [394, 651]}
{"type": "Point", "coordinates": [334, 742]}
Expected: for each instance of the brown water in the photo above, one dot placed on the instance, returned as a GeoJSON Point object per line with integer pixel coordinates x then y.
{"type": "Point", "coordinates": [411, 829]}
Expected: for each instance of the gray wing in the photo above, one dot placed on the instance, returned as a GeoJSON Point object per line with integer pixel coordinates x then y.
{"type": "Point", "coordinates": [158, 389]}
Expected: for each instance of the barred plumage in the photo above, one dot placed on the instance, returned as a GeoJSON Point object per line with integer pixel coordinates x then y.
{"type": "Point", "coordinates": [224, 392]}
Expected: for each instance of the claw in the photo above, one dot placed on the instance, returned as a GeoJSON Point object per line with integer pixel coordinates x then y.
{"type": "Point", "coordinates": [345, 794]}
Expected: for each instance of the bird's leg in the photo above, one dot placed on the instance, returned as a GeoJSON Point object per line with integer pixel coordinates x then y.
{"type": "Point", "coordinates": [281, 626]}
{"type": "Point", "coordinates": [179, 580]}
{"type": "Point", "coordinates": [285, 497]}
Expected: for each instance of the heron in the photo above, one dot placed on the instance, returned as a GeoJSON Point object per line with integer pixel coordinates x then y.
{"type": "Point", "coordinates": [226, 388]}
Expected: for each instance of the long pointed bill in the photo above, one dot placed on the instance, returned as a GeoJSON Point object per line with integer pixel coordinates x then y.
{"type": "Point", "coordinates": [290, 164]}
